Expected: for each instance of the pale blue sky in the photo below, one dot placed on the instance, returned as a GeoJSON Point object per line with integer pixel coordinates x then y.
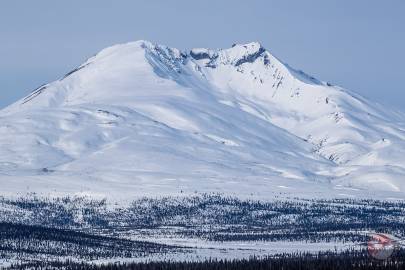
{"type": "Point", "coordinates": [359, 44]}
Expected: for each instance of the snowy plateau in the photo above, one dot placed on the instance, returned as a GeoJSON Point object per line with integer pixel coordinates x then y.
{"type": "Point", "coordinates": [210, 153]}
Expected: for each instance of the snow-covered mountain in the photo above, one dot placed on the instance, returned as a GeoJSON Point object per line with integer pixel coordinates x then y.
{"type": "Point", "coordinates": [141, 118]}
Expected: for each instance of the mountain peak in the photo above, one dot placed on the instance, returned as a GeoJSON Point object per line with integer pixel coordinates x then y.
{"type": "Point", "coordinates": [236, 55]}
{"type": "Point", "coordinates": [221, 113]}
{"type": "Point", "coordinates": [249, 47]}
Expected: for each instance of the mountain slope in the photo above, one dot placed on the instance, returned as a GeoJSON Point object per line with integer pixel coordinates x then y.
{"type": "Point", "coordinates": [141, 117]}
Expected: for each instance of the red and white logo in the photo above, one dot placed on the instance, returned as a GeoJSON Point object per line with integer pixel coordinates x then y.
{"type": "Point", "coordinates": [381, 246]}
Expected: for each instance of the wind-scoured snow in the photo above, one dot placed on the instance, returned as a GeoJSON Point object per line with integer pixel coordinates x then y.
{"type": "Point", "coordinates": [141, 118]}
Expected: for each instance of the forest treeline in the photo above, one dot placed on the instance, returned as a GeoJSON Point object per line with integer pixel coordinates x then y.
{"type": "Point", "coordinates": [356, 260]}
{"type": "Point", "coordinates": [89, 229]}
{"type": "Point", "coordinates": [215, 217]}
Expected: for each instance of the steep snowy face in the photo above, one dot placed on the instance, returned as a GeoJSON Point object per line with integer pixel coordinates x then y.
{"type": "Point", "coordinates": [161, 120]}
{"type": "Point", "coordinates": [342, 126]}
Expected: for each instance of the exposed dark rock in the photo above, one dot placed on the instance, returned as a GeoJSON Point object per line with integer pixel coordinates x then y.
{"type": "Point", "coordinates": [250, 58]}
{"type": "Point", "coordinates": [200, 55]}
{"type": "Point", "coordinates": [34, 94]}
